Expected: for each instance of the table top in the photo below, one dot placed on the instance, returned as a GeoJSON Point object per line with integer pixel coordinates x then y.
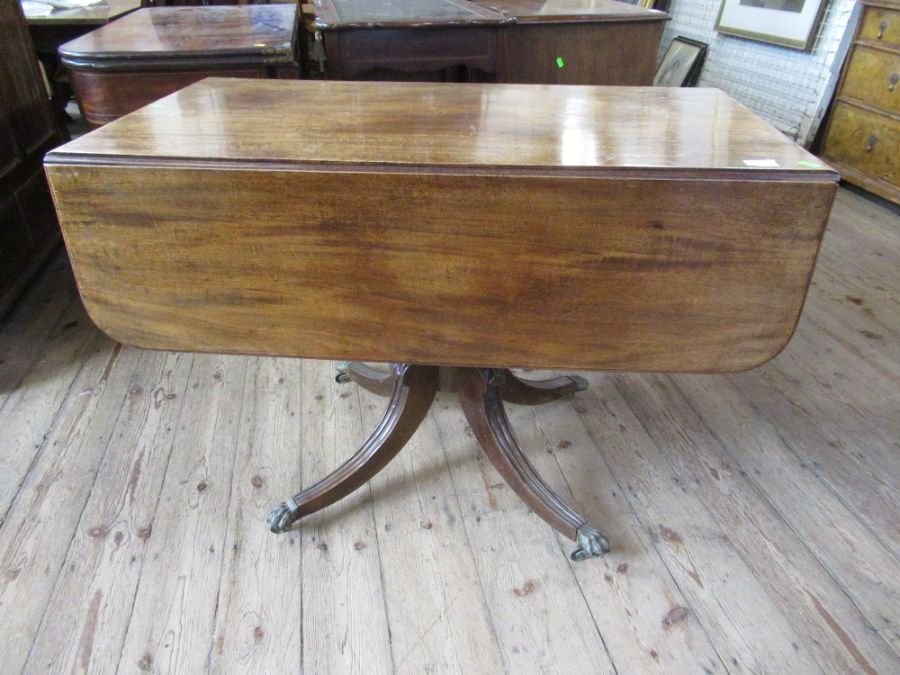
{"type": "Point", "coordinates": [469, 127]}
{"type": "Point", "coordinates": [190, 32]}
{"type": "Point", "coordinates": [550, 11]}
{"type": "Point", "coordinates": [98, 14]}
{"type": "Point", "coordinates": [340, 14]}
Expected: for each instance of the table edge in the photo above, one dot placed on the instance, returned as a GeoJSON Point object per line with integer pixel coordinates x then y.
{"type": "Point", "coordinates": [60, 157]}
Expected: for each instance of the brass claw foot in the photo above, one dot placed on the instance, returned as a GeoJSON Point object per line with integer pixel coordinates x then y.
{"type": "Point", "coordinates": [590, 543]}
{"type": "Point", "coordinates": [282, 516]}
{"type": "Point", "coordinates": [580, 383]}
{"type": "Point", "coordinates": [342, 376]}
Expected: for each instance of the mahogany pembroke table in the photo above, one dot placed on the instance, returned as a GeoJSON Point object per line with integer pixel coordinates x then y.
{"type": "Point", "coordinates": [452, 230]}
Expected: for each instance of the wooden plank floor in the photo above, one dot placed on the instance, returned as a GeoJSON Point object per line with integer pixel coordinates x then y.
{"type": "Point", "coordinates": [754, 518]}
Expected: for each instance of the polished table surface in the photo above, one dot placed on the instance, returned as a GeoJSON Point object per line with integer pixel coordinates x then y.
{"type": "Point", "coordinates": [524, 11]}
{"type": "Point", "coordinates": [345, 14]}
{"type": "Point", "coordinates": [467, 226]}
{"type": "Point", "coordinates": [189, 33]}
{"type": "Point", "coordinates": [155, 51]}
{"type": "Point", "coordinates": [557, 227]}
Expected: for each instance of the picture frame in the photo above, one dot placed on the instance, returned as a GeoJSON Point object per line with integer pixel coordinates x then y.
{"type": "Point", "coordinates": [681, 65]}
{"type": "Point", "coordinates": [788, 23]}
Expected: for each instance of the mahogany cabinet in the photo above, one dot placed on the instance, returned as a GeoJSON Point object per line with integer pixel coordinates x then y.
{"type": "Point", "coordinates": [28, 129]}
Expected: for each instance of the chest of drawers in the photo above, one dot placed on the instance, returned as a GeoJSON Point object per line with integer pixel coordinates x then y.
{"type": "Point", "coordinates": [863, 136]}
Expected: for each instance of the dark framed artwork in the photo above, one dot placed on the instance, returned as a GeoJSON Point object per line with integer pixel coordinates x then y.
{"type": "Point", "coordinates": [681, 65]}
{"type": "Point", "coordinates": [789, 23]}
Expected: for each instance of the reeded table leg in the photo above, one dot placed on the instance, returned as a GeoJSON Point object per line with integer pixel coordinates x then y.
{"type": "Point", "coordinates": [480, 394]}
{"type": "Point", "coordinates": [534, 392]}
{"type": "Point", "coordinates": [413, 390]}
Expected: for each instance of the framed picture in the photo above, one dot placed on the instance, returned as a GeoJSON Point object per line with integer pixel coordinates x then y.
{"type": "Point", "coordinates": [681, 65]}
{"type": "Point", "coordinates": [790, 23]}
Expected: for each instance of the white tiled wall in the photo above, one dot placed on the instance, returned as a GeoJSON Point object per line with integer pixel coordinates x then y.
{"type": "Point", "coordinates": [788, 87]}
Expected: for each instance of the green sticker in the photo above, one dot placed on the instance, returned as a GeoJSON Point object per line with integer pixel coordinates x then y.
{"type": "Point", "coordinates": [809, 165]}
{"type": "Point", "coordinates": [560, 63]}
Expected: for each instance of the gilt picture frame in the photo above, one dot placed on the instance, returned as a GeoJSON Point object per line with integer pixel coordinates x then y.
{"type": "Point", "coordinates": [788, 23]}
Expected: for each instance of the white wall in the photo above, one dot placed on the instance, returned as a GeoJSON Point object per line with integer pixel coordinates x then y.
{"type": "Point", "coordinates": [788, 87]}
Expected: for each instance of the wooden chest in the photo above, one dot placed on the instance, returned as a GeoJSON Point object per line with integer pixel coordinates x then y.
{"type": "Point", "coordinates": [447, 224]}
{"type": "Point", "coordinates": [863, 136]}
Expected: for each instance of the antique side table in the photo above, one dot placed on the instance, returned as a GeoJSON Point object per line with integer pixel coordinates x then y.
{"type": "Point", "coordinates": [155, 51]}
{"type": "Point", "coordinates": [478, 227]}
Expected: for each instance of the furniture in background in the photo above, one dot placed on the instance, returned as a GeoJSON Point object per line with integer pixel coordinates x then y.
{"type": "Point", "coordinates": [469, 225]}
{"type": "Point", "coordinates": [155, 51]}
{"type": "Point", "coordinates": [28, 129]}
{"type": "Point", "coordinates": [427, 39]}
{"type": "Point", "coordinates": [862, 140]}
{"type": "Point", "coordinates": [49, 31]}
{"type": "Point", "coordinates": [52, 30]}
{"type": "Point", "coordinates": [526, 41]}
{"type": "Point", "coordinates": [577, 42]}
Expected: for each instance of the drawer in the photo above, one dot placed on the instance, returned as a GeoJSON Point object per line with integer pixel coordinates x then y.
{"type": "Point", "coordinates": [880, 25]}
{"type": "Point", "coordinates": [865, 141]}
{"type": "Point", "coordinates": [873, 77]}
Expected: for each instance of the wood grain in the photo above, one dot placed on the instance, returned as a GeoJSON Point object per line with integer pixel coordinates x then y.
{"type": "Point", "coordinates": [111, 537]}
{"type": "Point", "coordinates": [178, 34]}
{"type": "Point", "coordinates": [617, 52]}
{"type": "Point", "coordinates": [47, 508]}
{"type": "Point", "coordinates": [249, 632]}
{"type": "Point", "coordinates": [872, 78]}
{"type": "Point", "coordinates": [156, 51]}
{"type": "Point", "coordinates": [625, 283]}
{"type": "Point", "coordinates": [426, 571]}
{"type": "Point", "coordinates": [869, 145]}
{"type": "Point", "coordinates": [469, 127]}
